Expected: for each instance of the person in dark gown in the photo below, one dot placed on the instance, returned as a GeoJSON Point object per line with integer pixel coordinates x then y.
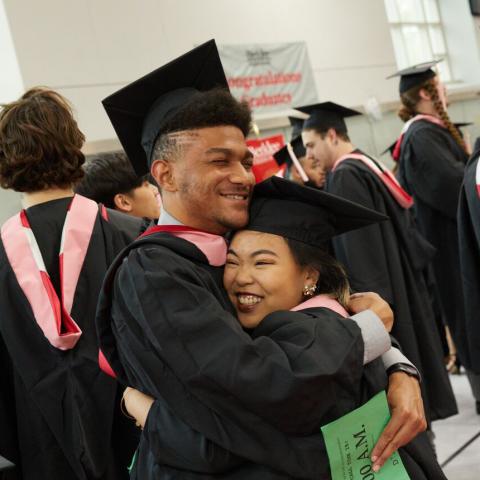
{"type": "Point", "coordinates": [59, 412]}
{"type": "Point", "coordinates": [469, 241]}
{"type": "Point", "coordinates": [259, 259]}
{"type": "Point", "coordinates": [166, 325]}
{"type": "Point", "coordinates": [390, 258]}
{"type": "Point", "coordinates": [431, 155]}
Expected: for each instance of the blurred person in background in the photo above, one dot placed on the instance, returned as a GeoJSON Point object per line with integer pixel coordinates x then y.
{"type": "Point", "coordinates": [391, 258]}
{"type": "Point", "coordinates": [58, 411]}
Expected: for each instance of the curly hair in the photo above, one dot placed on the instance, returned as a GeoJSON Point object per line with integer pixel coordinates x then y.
{"type": "Point", "coordinates": [410, 99]}
{"type": "Point", "coordinates": [213, 108]}
{"type": "Point", "coordinates": [107, 174]}
{"type": "Point", "coordinates": [40, 143]}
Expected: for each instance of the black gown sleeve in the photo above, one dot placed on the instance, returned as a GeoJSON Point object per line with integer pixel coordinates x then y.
{"type": "Point", "coordinates": [369, 270]}
{"type": "Point", "coordinates": [433, 171]}
{"type": "Point", "coordinates": [165, 313]}
{"type": "Point", "coordinates": [172, 442]}
{"type": "Point", "coordinates": [8, 425]}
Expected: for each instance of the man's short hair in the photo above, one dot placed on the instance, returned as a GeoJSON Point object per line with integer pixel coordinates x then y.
{"type": "Point", "coordinates": [341, 132]}
{"type": "Point", "coordinates": [40, 143]}
{"type": "Point", "coordinates": [213, 108]}
{"type": "Point", "coordinates": [106, 175]}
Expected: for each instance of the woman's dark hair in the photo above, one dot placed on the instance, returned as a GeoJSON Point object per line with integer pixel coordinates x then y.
{"type": "Point", "coordinates": [106, 175]}
{"type": "Point", "coordinates": [332, 278]}
{"type": "Point", "coordinates": [40, 143]}
{"type": "Point", "coordinates": [410, 99]}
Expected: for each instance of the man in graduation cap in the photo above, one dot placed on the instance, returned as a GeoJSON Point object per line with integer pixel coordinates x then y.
{"type": "Point", "coordinates": [391, 258]}
{"type": "Point", "coordinates": [165, 323]}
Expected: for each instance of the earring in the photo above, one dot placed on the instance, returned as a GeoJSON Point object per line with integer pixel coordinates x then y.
{"type": "Point", "coordinates": [309, 290]}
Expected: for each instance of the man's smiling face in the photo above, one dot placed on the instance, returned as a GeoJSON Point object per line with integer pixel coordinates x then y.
{"type": "Point", "coordinates": [213, 179]}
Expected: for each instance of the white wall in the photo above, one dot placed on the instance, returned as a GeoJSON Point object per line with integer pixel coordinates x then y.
{"type": "Point", "coordinates": [87, 49]}
{"type": "Point", "coordinates": [11, 85]}
{"type": "Point", "coordinates": [463, 37]}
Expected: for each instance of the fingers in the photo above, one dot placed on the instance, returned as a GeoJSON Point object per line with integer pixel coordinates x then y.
{"type": "Point", "coordinates": [403, 427]}
{"type": "Point", "coordinates": [387, 436]}
{"type": "Point", "coordinates": [364, 294]}
{"type": "Point", "coordinates": [391, 446]}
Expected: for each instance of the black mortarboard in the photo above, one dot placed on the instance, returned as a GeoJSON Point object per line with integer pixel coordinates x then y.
{"type": "Point", "coordinates": [140, 110]}
{"type": "Point", "coordinates": [282, 156]}
{"type": "Point", "coordinates": [5, 465]}
{"type": "Point", "coordinates": [463, 124]}
{"type": "Point", "coordinates": [416, 75]}
{"type": "Point", "coordinates": [297, 126]}
{"type": "Point", "coordinates": [305, 214]}
{"type": "Point", "coordinates": [327, 115]}
{"type": "Point", "coordinates": [390, 148]}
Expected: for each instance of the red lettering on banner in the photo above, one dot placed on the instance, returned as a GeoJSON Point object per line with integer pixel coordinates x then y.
{"type": "Point", "coordinates": [267, 100]}
{"type": "Point", "coordinates": [249, 81]}
{"type": "Point", "coordinates": [264, 165]}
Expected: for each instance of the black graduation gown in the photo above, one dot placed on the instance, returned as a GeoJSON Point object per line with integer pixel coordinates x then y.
{"type": "Point", "coordinates": [392, 258]}
{"type": "Point", "coordinates": [431, 168]}
{"type": "Point", "coordinates": [468, 332]}
{"type": "Point", "coordinates": [63, 420]}
{"type": "Point", "coordinates": [193, 456]}
{"type": "Point", "coordinates": [167, 329]}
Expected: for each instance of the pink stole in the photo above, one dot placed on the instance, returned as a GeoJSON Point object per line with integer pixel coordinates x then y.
{"type": "Point", "coordinates": [477, 177]}
{"type": "Point", "coordinates": [53, 315]}
{"type": "Point", "coordinates": [384, 174]}
{"type": "Point", "coordinates": [322, 300]}
{"type": "Point", "coordinates": [416, 118]}
{"type": "Point", "coordinates": [214, 247]}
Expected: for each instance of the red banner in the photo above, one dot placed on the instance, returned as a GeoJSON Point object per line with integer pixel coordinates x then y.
{"type": "Point", "coordinates": [264, 165]}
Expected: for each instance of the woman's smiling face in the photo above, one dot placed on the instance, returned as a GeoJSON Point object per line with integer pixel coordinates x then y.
{"type": "Point", "coordinates": [261, 276]}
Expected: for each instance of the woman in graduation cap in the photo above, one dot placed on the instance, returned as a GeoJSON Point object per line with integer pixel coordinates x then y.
{"type": "Point", "coordinates": [432, 155]}
{"type": "Point", "coordinates": [57, 409]}
{"type": "Point", "coordinates": [299, 168]}
{"type": "Point", "coordinates": [280, 276]}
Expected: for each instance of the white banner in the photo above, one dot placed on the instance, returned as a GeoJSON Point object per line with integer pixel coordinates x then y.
{"type": "Point", "coordinates": [270, 77]}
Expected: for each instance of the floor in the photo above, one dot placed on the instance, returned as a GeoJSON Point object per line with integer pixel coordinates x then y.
{"type": "Point", "coordinates": [452, 433]}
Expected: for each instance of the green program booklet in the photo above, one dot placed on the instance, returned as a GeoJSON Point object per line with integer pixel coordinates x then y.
{"type": "Point", "coordinates": [351, 438]}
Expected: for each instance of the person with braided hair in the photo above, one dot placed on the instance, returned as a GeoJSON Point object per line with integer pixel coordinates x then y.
{"type": "Point", "coordinates": [392, 258]}
{"type": "Point", "coordinates": [431, 155]}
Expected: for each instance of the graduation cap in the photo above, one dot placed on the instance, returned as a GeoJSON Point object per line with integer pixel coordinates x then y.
{"type": "Point", "coordinates": [327, 115]}
{"type": "Point", "coordinates": [463, 124]}
{"type": "Point", "coordinates": [5, 465]}
{"type": "Point", "coordinates": [282, 156]}
{"type": "Point", "coordinates": [297, 126]}
{"type": "Point", "coordinates": [290, 153]}
{"type": "Point", "coordinates": [305, 214]}
{"type": "Point", "coordinates": [140, 111]}
{"type": "Point", "coordinates": [416, 75]}
{"type": "Point", "coordinates": [390, 149]}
